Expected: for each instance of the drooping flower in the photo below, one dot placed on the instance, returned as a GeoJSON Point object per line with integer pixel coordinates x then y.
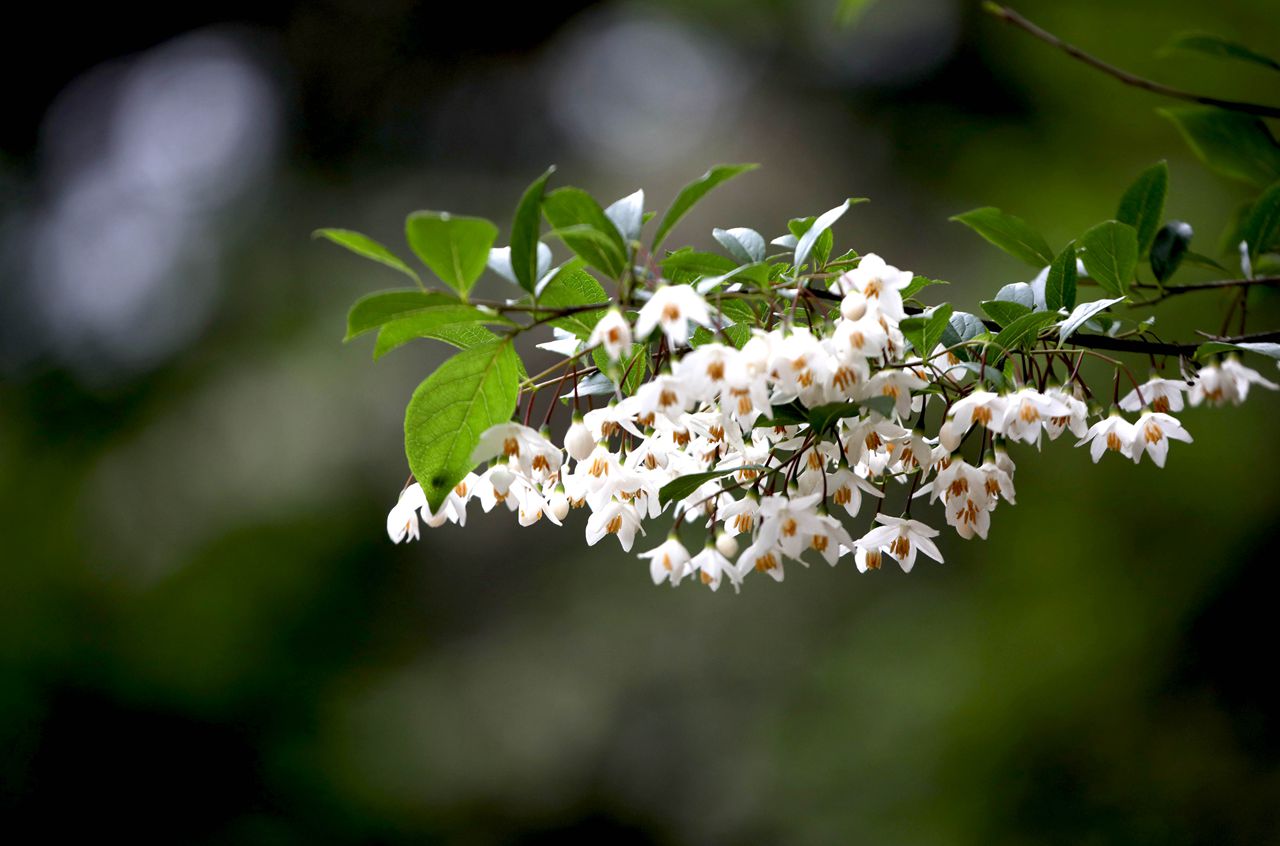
{"type": "Point", "coordinates": [1163, 395]}
{"type": "Point", "coordinates": [402, 520]}
{"type": "Point", "coordinates": [1111, 433]}
{"type": "Point", "coordinates": [612, 333]}
{"type": "Point", "coordinates": [672, 308]}
{"type": "Point", "coordinates": [1153, 431]}
{"type": "Point", "coordinates": [668, 562]}
{"type": "Point", "coordinates": [902, 538]}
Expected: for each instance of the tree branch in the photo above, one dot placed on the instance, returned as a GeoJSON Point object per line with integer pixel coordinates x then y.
{"type": "Point", "coordinates": [1009, 16]}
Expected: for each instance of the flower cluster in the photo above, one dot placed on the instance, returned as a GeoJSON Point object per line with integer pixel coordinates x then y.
{"type": "Point", "coordinates": [770, 443]}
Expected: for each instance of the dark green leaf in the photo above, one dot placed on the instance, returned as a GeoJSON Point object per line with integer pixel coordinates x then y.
{"type": "Point", "coordinates": [1222, 48]}
{"type": "Point", "coordinates": [1201, 260]}
{"type": "Point", "coordinates": [745, 245]}
{"type": "Point", "coordinates": [918, 284]}
{"type": "Point", "coordinates": [692, 193]}
{"type": "Point", "coordinates": [1004, 312]}
{"type": "Point", "coordinates": [1142, 206]}
{"type": "Point", "coordinates": [821, 225]}
{"type": "Point", "coordinates": [1269, 349]}
{"type": "Point", "coordinates": [363, 245]}
{"type": "Point", "coordinates": [679, 488]}
{"type": "Point", "coordinates": [473, 390]}
{"type": "Point", "coordinates": [1009, 233]}
{"type": "Point", "coordinates": [455, 248]}
{"type": "Point", "coordinates": [586, 229]}
{"type": "Point", "coordinates": [1235, 145]}
{"type": "Point", "coordinates": [1110, 255]}
{"type": "Point", "coordinates": [1169, 248]}
{"type": "Point", "coordinates": [1060, 284]}
{"type": "Point", "coordinates": [688, 265]}
{"type": "Point", "coordinates": [1024, 331]}
{"type": "Point", "coordinates": [1261, 229]}
{"type": "Point", "coordinates": [526, 229]}
{"type": "Point", "coordinates": [823, 418]}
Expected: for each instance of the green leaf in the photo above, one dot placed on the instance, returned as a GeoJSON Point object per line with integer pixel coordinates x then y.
{"type": "Point", "coordinates": [918, 284]}
{"type": "Point", "coordinates": [526, 229]}
{"type": "Point", "coordinates": [1142, 206]}
{"type": "Point", "coordinates": [586, 229]}
{"type": "Point", "coordinates": [397, 333]}
{"type": "Point", "coordinates": [1009, 233]}
{"type": "Point", "coordinates": [1060, 284]}
{"type": "Point", "coordinates": [681, 487]}
{"type": "Point", "coordinates": [925, 333]}
{"type": "Point", "coordinates": [473, 390]}
{"type": "Point", "coordinates": [1110, 255]}
{"type": "Point", "coordinates": [1261, 229]}
{"type": "Point", "coordinates": [692, 193]}
{"type": "Point", "coordinates": [960, 328]}
{"type": "Point", "coordinates": [823, 418]}
{"type": "Point", "coordinates": [372, 310]}
{"type": "Point", "coordinates": [1004, 312]}
{"type": "Point", "coordinates": [1235, 145]}
{"type": "Point", "coordinates": [428, 322]}
{"type": "Point", "coordinates": [1024, 331]}
{"type": "Point", "coordinates": [745, 245]}
{"type": "Point", "coordinates": [689, 265]}
{"type": "Point", "coordinates": [363, 245]}
{"type": "Point", "coordinates": [573, 286]}
{"type": "Point", "coordinates": [456, 248]}
{"type": "Point", "coordinates": [1219, 47]}
{"type": "Point", "coordinates": [1169, 248]}
{"type": "Point", "coordinates": [1267, 348]}
{"type": "Point", "coordinates": [631, 368]}
{"type": "Point", "coordinates": [1081, 315]}
{"type": "Point", "coordinates": [821, 225]}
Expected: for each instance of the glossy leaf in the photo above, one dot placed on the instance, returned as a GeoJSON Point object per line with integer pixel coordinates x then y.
{"type": "Point", "coordinates": [918, 284]}
{"type": "Point", "coordinates": [475, 389]}
{"type": "Point", "coordinates": [1235, 145]}
{"type": "Point", "coordinates": [1142, 206]}
{"type": "Point", "coordinates": [681, 487]}
{"type": "Point", "coordinates": [822, 418]}
{"type": "Point", "coordinates": [824, 221]}
{"type": "Point", "coordinates": [526, 231]}
{"type": "Point", "coordinates": [396, 333]}
{"type": "Point", "coordinates": [363, 245]}
{"type": "Point", "coordinates": [1267, 348]}
{"type": "Point", "coordinates": [456, 248]}
{"type": "Point", "coordinates": [1009, 233]}
{"type": "Point", "coordinates": [579, 221]}
{"type": "Point", "coordinates": [372, 310]}
{"type": "Point", "coordinates": [1060, 283]}
{"type": "Point", "coordinates": [692, 193]}
{"type": "Point", "coordinates": [1081, 315]}
{"type": "Point", "coordinates": [745, 245]}
{"type": "Point", "coordinates": [1169, 248]}
{"type": "Point", "coordinates": [1261, 228]}
{"type": "Point", "coordinates": [573, 286]}
{"type": "Point", "coordinates": [627, 215]}
{"type": "Point", "coordinates": [1004, 312]}
{"type": "Point", "coordinates": [1024, 331]}
{"type": "Point", "coordinates": [1110, 254]}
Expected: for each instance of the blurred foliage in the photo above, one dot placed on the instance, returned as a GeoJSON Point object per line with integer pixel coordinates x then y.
{"type": "Point", "coordinates": [205, 637]}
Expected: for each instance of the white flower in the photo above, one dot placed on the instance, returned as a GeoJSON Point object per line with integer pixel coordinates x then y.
{"type": "Point", "coordinates": [1153, 432]}
{"type": "Point", "coordinates": [1026, 412]}
{"type": "Point", "coordinates": [710, 566]}
{"type": "Point", "coordinates": [763, 556]}
{"type": "Point", "coordinates": [1157, 394]}
{"type": "Point", "coordinates": [668, 562]}
{"type": "Point", "coordinates": [612, 333]}
{"type": "Point", "coordinates": [901, 538]}
{"type": "Point", "coordinates": [535, 455]}
{"type": "Point", "coordinates": [897, 384]}
{"type": "Point", "coordinates": [665, 394]}
{"type": "Point", "coordinates": [846, 488]}
{"type": "Point", "coordinates": [1112, 433]}
{"type": "Point", "coordinates": [982, 407]}
{"type": "Point", "coordinates": [402, 520]}
{"type": "Point", "coordinates": [615, 518]}
{"type": "Point", "coordinates": [703, 370]}
{"type": "Point", "coordinates": [880, 283]}
{"type": "Point", "coordinates": [1226, 382]}
{"type": "Point", "coordinates": [739, 516]}
{"type": "Point", "coordinates": [672, 307]}
{"type": "Point", "coordinates": [1074, 419]}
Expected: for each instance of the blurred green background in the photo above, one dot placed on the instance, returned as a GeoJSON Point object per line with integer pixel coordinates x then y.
{"type": "Point", "coordinates": [205, 635]}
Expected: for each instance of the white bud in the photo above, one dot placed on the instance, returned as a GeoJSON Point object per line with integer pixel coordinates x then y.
{"type": "Point", "coordinates": [727, 545]}
{"type": "Point", "coordinates": [853, 306]}
{"type": "Point", "coordinates": [578, 441]}
{"type": "Point", "coordinates": [559, 505]}
{"type": "Point", "coordinates": [949, 436]}
{"type": "Point", "coordinates": [435, 521]}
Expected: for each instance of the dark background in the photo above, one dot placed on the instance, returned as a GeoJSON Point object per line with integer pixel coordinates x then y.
{"type": "Point", "coordinates": [205, 635]}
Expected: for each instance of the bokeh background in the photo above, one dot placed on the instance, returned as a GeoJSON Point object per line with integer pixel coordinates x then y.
{"type": "Point", "coordinates": [205, 635]}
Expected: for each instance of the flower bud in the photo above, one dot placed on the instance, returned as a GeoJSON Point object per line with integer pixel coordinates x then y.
{"type": "Point", "coordinates": [853, 306]}
{"type": "Point", "coordinates": [501, 478]}
{"type": "Point", "coordinates": [578, 441]}
{"type": "Point", "coordinates": [559, 505]}
{"type": "Point", "coordinates": [726, 545]}
{"type": "Point", "coordinates": [435, 521]}
{"type": "Point", "coordinates": [949, 436]}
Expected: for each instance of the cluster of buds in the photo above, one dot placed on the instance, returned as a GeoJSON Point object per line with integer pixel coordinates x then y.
{"type": "Point", "coordinates": [772, 446]}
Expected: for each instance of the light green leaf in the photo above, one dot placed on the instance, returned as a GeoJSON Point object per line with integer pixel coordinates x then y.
{"type": "Point", "coordinates": [1219, 47]}
{"type": "Point", "coordinates": [456, 248]}
{"type": "Point", "coordinates": [526, 230]}
{"type": "Point", "coordinates": [926, 332]}
{"type": "Point", "coordinates": [1267, 348]}
{"type": "Point", "coordinates": [586, 229]}
{"type": "Point", "coordinates": [918, 284]}
{"type": "Point", "coordinates": [1235, 145]}
{"type": "Point", "coordinates": [572, 286]}
{"type": "Point", "coordinates": [745, 245]}
{"type": "Point", "coordinates": [689, 265]}
{"type": "Point", "coordinates": [1024, 331]}
{"type": "Point", "coordinates": [373, 310]}
{"type": "Point", "coordinates": [1060, 284]}
{"type": "Point", "coordinates": [1110, 254]}
{"type": "Point", "coordinates": [1142, 206]}
{"type": "Point", "coordinates": [1261, 229]}
{"type": "Point", "coordinates": [363, 245]}
{"type": "Point", "coordinates": [1009, 233]}
{"type": "Point", "coordinates": [397, 333]}
{"type": "Point", "coordinates": [692, 193]}
{"type": "Point", "coordinates": [1004, 312]}
{"type": "Point", "coordinates": [473, 390]}
{"type": "Point", "coordinates": [823, 222]}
